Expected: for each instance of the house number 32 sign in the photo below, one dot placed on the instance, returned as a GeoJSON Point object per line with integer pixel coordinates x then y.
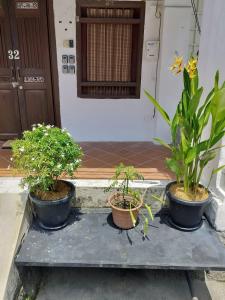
{"type": "Point", "coordinates": [14, 54]}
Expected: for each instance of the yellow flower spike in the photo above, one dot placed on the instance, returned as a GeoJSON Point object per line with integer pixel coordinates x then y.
{"type": "Point", "coordinates": [177, 66]}
{"type": "Point", "coordinates": [178, 60]}
{"type": "Point", "coordinates": [191, 67]}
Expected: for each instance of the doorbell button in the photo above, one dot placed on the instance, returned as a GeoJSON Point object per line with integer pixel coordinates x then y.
{"type": "Point", "coordinates": [71, 69]}
{"type": "Point", "coordinates": [65, 69]}
{"type": "Point", "coordinates": [71, 59]}
{"type": "Point", "coordinates": [65, 59]}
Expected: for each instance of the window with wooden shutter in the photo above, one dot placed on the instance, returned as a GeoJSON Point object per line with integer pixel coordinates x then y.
{"type": "Point", "coordinates": [109, 48]}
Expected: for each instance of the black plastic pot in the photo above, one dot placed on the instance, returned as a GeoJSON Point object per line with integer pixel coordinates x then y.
{"type": "Point", "coordinates": [53, 214]}
{"type": "Point", "coordinates": [186, 215]}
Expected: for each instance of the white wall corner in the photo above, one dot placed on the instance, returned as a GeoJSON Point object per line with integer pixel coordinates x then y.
{"type": "Point", "coordinates": [175, 39]}
{"type": "Point", "coordinates": [177, 3]}
{"type": "Point", "coordinates": [211, 58]}
{"type": "Point", "coordinates": [215, 213]}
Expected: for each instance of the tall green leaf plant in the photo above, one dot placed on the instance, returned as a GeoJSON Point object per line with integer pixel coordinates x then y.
{"type": "Point", "coordinates": [190, 152]}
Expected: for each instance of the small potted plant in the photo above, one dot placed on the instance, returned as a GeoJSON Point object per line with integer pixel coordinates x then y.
{"type": "Point", "coordinates": [126, 202]}
{"type": "Point", "coordinates": [190, 150]}
{"type": "Point", "coordinates": [42, 155]}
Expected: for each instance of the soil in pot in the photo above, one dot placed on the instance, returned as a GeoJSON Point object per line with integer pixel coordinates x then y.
{"type": "Point", "coordinates": [123, 203]}
{"type": "Point", "coordinates": [121, 210]}
{"type": "Point", "coordinates": [201, 194]}
{"type": "Point", "coordinates": [61, 190]}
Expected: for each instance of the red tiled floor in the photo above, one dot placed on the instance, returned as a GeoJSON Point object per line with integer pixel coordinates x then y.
{"type": "Point", "coordinates": [101, 158]}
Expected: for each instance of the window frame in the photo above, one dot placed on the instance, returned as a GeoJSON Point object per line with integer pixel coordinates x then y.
{"type": "Point", "coordinates": [82, 4]}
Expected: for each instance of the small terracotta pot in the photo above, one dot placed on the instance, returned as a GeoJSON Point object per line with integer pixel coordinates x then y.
{"type": "Point", "coordinates": [121, 217]}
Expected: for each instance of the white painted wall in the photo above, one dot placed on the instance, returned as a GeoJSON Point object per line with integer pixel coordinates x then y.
{"type": "Point", "coordinates": [175, 39]}
{"type": "Point", "coordinates": [212, 50]}
{"type": "Point", "coordinates": [123, 119]}
{"type": "Point", "coordinates": [211, 59]}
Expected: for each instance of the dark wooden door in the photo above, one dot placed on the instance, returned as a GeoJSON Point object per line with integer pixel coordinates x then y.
{"type": "Point", "coordinates": [10, 124]}
{"type": "Point", "coordinates": [28, 66]}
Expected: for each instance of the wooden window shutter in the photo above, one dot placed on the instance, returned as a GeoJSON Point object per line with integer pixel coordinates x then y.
{"type": "Point", "coordinates": [109, 48]}
{"type": "Point", "coordinates": [1, 8]}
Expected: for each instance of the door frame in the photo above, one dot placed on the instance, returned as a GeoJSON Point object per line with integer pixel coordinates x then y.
{"type": "Point", "coordinates": [53, 62]}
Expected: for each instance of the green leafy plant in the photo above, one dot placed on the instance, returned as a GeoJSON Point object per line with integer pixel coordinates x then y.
{"type": "Point", "coordinates": [190, 153]}
{"type": "Point", "coordinates": [43, 154]}
{"type": "Point", "coordinates": [121, 183]}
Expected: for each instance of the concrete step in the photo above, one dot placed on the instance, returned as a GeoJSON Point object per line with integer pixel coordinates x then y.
{"type": "Point", "coordinates": [13, 225]}
{"type": "Point", "coordinates": [124, 284]}
{"type": "Point", "coordinates": [113, 284]}
{"type": "Point", "coordinates": [90, 192]}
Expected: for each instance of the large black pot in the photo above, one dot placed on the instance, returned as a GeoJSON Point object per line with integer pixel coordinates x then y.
{"type": "Point", "coordinates": [53, 214]}
{"type": "Point", "coordinates": [185, 215]}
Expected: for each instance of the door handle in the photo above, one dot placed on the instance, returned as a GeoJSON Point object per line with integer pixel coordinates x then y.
{"type": "Point", "coordinates": [18, 74]}
{"type": "Point", "coordinates": [12, 74]}
{"type": "Point", "coordinates": [15, 84]}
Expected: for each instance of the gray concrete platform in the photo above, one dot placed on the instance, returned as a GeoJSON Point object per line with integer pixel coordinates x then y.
{"type": "Point", "coordinates": [76, 284]}
{"type": "Point", "coordinates": [92, 240]}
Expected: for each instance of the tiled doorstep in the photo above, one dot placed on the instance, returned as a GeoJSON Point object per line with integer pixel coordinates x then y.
{"type": "Point", "coordinates": [103, 173]}
{"type": "Point", "coordinates": [101, 158]}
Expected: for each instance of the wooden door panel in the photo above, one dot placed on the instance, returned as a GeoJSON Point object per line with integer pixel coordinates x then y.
{"type": "Point", "coordinates": [24, 27]}
{"type": "Point", "coordinates": [10, 118]}
{"type": "Point", "coordinates": [35, 106]}
{"type": "Point", "coordinates": [32, 42]}
{"type": "Point", "coordinates": [6, 65]}
{"type": "Point", "coordinates": [10, 125]}
{"type": "Point", "coordinates": [4, 45]}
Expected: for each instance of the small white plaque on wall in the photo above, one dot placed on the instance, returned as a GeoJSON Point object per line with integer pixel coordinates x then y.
{"type": "Point", "coordinates": [152, 49]}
